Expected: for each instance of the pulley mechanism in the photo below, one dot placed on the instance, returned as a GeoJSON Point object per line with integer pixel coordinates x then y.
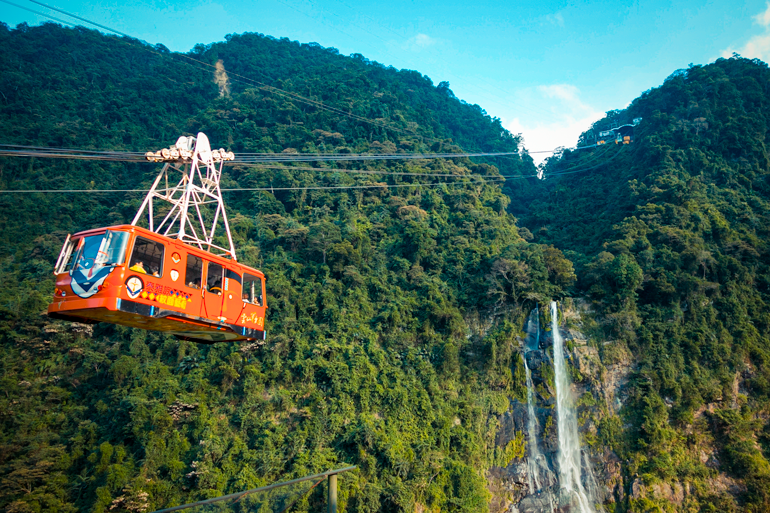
{"type": "Point", "coordinates": [183, 150]}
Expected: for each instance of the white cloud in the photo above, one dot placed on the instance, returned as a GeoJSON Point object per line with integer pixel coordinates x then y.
{"type": "Point", "coordinates": [565, 92]}
{"type": "Point", "coordinates": [419, 42]}
{"type": "Point", "coordinates": [758, 46]}
{"type": "Point", "coordinates": [568, 115]}
{"type": "Point", "coordinates": [556, 19]}
{"type": "Point", "coordinates": [763, 18]}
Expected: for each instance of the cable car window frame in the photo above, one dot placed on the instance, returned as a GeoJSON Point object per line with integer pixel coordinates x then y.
{"type": "Point", "coordinates": [110, 252]}
{"type": "Point", "coordinates": [187, 281]}
{"type": "Point", "coordinates": [133, 260]}
{"type": "Point", "coordinates": [210, 286]}
{"type": "Point", "coordinates": [253, 299]}
{"type": "Point", "coordinates": [67, 255]}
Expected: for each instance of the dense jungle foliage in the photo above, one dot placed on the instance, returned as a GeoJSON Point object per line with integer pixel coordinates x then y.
{"type": "Point", "coordinates": [393, 312]}
{"type": "Point", "coordinates": [670, 239]}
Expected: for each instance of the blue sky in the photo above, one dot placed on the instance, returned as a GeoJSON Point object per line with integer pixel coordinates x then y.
{"type": "Point", "coordinates": [547, 69]}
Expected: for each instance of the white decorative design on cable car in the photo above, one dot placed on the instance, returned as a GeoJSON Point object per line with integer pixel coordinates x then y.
{"type": "Point", "coordinates": [134, 286]}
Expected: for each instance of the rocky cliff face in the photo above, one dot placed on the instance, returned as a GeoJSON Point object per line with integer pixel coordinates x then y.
{"type": "Point", "coordinates": [598, 388]}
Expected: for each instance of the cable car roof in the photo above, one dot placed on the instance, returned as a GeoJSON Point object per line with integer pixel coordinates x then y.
{"type": "Point", "coordinates": [226, 262]}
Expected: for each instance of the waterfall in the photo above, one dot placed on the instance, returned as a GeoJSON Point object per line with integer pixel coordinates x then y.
{"type": "Point", "coordinates": [536, 463]}
{"type": "Point", "coordinates": [533, 477]}
{"type": "Point", "coordinates": [533, 326]}
{"type": "Point", "coordinates": [569, 441]}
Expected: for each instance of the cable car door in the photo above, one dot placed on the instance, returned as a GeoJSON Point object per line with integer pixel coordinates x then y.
{"type": "Point", "coordinates": [211, 306]}
{"type": "Point", "coordinates": [232, 296]}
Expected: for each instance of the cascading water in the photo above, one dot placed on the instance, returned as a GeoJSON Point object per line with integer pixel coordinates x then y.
{"type": "Point", "coordinates": [569, 441]}
{"type": "Point", "coordinates": [534, 451]}
{"type": "Point", "coordinates": [535, 341]}
{"type": "Point", "coordinates": [537, 464]}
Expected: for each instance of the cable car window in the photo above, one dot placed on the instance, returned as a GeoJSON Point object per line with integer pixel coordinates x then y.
{"type": "Point", "coordinates": [252, 289]}
{"type": "Point", "coordinates": [232, 281]}
{"type": "Point", "coordinates": [147, 257]}
{"type": "Point", "coordinates": [232, 275]}
{"type": "Point", "coordinates": [99, 251]}
{"type": "Point", "coordinates": [214, 278]}
{"type": "Point", "coordinates": [193, 272]}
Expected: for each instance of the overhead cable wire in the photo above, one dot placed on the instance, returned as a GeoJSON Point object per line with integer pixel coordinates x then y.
{"type": "Point", "coordinates": [254, 189]}
{"type": "Point", "coordinates": [361, 156]}
{"type": "Point", "coordinates": [73, 156]}
{"type": "Point", "coordinates": [478, 180]}
{"type": "Point", "coordinates": [79, 18]}
{"type": "Point", "coordinates": [365, 171]}
{"type": "Point", "coordinates": [74, 150]}
{"type": "Point", "coordinates": [288, 155]}
{"type": "Point", "coordinates": [571, 170]}
{"type": "Point", "coordinates": [11, 150]}
{"type": "Point", "coordinates": [596, 155]}
{"type": "Point", "coordinates": [576, 169]}
{"type": "Point", "coordinates": [147, 46]}
{"type": "Point", "coordinates": [231, 74]}
{"type": "Point", "coordinates": [140, 158]}
{"type": "Point", "coordinates": [39, 13]}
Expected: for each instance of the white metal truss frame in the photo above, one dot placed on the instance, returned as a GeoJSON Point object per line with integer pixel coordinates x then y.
{"type": "Point", "coordinates": [193, 198]}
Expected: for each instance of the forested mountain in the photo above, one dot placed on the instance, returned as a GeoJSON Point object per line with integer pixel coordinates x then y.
{"type": "Point", "coordinates": [395, 311]}
{"type": "Point", "coordinates": [391, 323]}
{"type": "Point", "coordinates": [670, 238]}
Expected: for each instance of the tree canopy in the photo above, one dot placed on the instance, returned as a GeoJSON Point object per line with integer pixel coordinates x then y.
{"type": "Point", "coordinates": [669, 236]}
{"type": "Point", "coordinates": [375, 353]}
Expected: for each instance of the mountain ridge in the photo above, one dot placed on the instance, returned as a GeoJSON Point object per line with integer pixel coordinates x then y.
{"type": "Point", "coordinates": [396, 314]}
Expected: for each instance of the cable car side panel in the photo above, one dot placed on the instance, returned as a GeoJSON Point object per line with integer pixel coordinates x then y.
{"type": "Point", "coordinates": [154, 287]}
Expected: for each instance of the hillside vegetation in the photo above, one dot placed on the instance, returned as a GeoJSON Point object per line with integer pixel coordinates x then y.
{"type": "Point", "coordinates": [393, 311]}
{"type": "Point", "coordinates": [669, 236]}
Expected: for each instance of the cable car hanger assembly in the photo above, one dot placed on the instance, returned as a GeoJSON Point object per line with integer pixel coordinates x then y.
{"type": "Point", "coordinates": [175, 275]}
{"type": "Point", "coordinates": [196, 193]}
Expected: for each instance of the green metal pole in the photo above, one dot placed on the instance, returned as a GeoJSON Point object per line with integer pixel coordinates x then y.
{"type": "Point", "coordinates": [332, 500]}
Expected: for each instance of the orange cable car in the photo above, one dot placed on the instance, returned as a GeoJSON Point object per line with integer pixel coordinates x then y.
{"type": "Point", "coordinates": [145, 278]}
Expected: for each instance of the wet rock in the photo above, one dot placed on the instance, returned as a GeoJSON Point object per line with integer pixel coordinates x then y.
{"type": "Point", "coordinates": [507, 485]}
{"type": "Point", "coordinates": [535, 504]}
{"type": "Point", "coordinates": [515, 419]}
{"type": "Point", "coordinates": [502, 492]}
{"type": "Point", "coordinates": [550, 436]}
{"type": "Point", "coordinates": [536, 359]}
